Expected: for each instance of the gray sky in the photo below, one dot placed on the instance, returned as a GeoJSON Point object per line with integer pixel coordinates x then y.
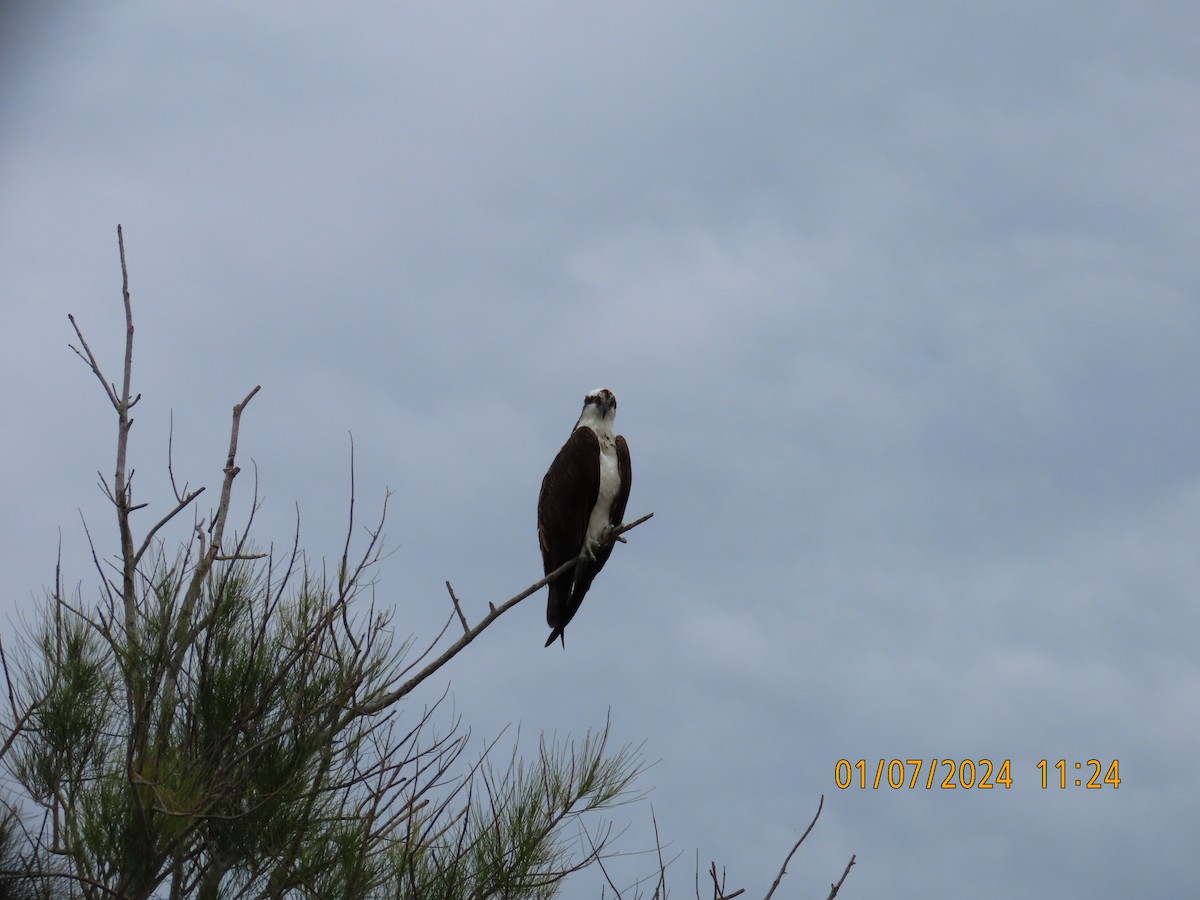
{"type": "Point", "coordinates": [901, 303]}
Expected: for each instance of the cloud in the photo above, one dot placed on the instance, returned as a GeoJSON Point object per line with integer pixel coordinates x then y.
{"type": "Point", "coordinates": [899, 309]}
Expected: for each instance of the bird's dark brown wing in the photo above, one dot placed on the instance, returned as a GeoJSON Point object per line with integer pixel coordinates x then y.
{"type": "Point", "coordinates": [569, 492]}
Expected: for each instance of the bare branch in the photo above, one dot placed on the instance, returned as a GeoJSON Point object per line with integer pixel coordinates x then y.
{"type": "Point", "coordinates": [783, 868]}
{"type": "Point", "coordinates": [184, 631]}
{"type": "Point", "coordinates": [178, 508]}
{"type": "Point", "coordinates": [458, 609]}
{"type": "Point", "coordinates": [171, 460]}
{"type": "Point", "coordinates": [128, 321]}
{"type": "Point", "coordinates": [382, 702]}
{"type": "Point", "coordinates": [217, 530]}
{"type": "Point", "coordinates": [615, 534]}
{"type": "Point", "coordinates": [660, 889]}
{"type": "Point", "coordinates": [8, 682]}
{"type": "Point", "coordinates": [342, 573]}
{"type": "Point", "coordinates": [18, 720]}
{"type": "Point", "coordinates": [104, 580]}
{"type": "Point", "coordinates": [90, 359]}
{"type": "Point", "coordinates": [120, 492]}
{"type": "Point", "coordinates": [719, 886]}
{"type": "Point", "coordinates": [594, 853]}
{"type": "Point", "coordinates": [121, 488]}
{"type": "Point", "coordinates": [834, 888]}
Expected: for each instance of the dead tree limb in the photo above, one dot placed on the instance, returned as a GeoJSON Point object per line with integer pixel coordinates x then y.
{"type": "Point", "coordinates": [494, 613]}
{"type": "Point", "coordinates": [719, 885]}
{"type": "Point", "coordinates": [783, 868]}
{"type": "Point", "coordinates": [458, 608]}
{"type": "Point", "coordinates": [834, 888]}
{"type": "Point", "coordinates": [122, 403]}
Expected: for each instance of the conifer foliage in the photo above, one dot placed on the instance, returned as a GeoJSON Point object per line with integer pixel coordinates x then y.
{"type": "Point", "coordinates": [224, 722]}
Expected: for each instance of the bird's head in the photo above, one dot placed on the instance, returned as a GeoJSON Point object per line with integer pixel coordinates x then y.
{"type": "Point", "coordinates": [599, 409]}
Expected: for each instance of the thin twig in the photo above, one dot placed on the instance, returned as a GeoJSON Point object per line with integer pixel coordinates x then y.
{"type": "Point", "coordinates": [8, 682]}
{"type": "Point", "coordinates": [18, 720]}
{"type": "Point", "coordinates": [660, 889]}
{"type": "Point", "coordinates": [719, 887]}
{"type": "Point", "coordinates": [834, 888]}
{"type": "Point", "coordinates": [171, 457]}
{"type": "Point", "coordinates": [90, 359]}
{"type": "Point", "coordinates": [342, 569]}
{"type": "Point", "coordinates": [178, 508]}
{"type": "Point", "coordinates": [595, 854]}
{"type": "Point", "coordinates": [458, 609]}
{"type": "Point", "coordinates": [783, 868]}
{"type": "Point", "coordinates": [217, 530]}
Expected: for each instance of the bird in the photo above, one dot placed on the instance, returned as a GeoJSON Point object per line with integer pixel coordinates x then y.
{"type": "Point", "coordinates": [582, 500]}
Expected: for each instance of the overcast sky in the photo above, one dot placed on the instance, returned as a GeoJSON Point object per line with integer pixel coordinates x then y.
{"type": "Point", "coordinates": [901, 303]}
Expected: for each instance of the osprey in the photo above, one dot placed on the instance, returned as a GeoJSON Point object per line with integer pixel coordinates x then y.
{"type": "Point", "coordinates": [582, 499]}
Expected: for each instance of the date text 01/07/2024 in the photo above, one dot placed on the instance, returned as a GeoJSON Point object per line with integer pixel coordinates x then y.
{"type": "Point", "coordinates": [968, 774]}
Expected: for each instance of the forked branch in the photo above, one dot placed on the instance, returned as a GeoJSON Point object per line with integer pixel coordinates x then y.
{"type": "Point", "coordinates": [718, 881]}
{"type": "Point", "coordinates": [121, 494]}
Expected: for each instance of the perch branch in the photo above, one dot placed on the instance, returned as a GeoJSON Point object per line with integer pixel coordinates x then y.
{"type": "Point", "coordinates": [381, 703]}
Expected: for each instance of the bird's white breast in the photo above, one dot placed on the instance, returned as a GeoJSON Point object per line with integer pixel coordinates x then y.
{"type": "Point", "coordinates": [610, 486]}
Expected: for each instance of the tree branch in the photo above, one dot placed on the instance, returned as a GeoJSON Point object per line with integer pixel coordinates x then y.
{"type": "Point", "coordinates": [381, 703]}
{"type": "Point", "coordinates": [834, 888]}
{"type": "Point", "coordinates": [343, 569]}
{"type": "Point", "coordinates": [163, 521]}
{"type": "Point", "coordinates": [120, 494]}
{"type": "Point", "coordinates": [90, 359]}
{"type": "Point", "coordinates": [719, 886]}
{"type": "Point", "coordinates": [458, 608]}
{"type": "Point", "coordinates": [783, 868]}
{"type": "Point", "coordinates": [212, 551]}
{"type": "Point", "coordinates": [18, 720]}
{"type": "Point", "coordinates": [217, 531]}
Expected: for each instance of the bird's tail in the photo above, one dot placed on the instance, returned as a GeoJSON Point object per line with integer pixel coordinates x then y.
{"type": "Point", "coordinates": [557, 603]}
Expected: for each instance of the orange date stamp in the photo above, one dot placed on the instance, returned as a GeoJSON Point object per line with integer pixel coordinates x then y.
{"type": "Point", "coordinates": [971, 774]}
